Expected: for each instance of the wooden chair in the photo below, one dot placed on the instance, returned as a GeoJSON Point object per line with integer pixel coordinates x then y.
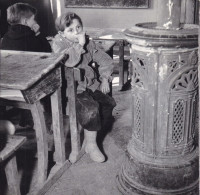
{"type": "Point", "coordinates": [72, 75]}
{"type": "Point", "coordinates": [8, 160]}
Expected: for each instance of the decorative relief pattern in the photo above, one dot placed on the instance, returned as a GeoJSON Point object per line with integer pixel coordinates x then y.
{"type": "Point", "coordinates": [174, 64]}
{"type": "Point", "coordinates": [193, 58]}
{"type": "Point", "coordinates": [137, 118]}
{"type": "Point", "coordinates": [141, 62]}
{"type": "Point", "coordinates": [178, 122]}
{"type": "Point", "coordinates": [139, 69]}
{"type": "Point", "coordinates": [178, 60]}
{"type": "Point", "coordinates": [136, 78]}
{"type": "Point", "coordinates": [194, 116]}
{"type": "Point", "coordinates": [187, 81]}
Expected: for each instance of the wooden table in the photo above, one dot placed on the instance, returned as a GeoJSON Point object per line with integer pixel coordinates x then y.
{"type": "Point", "coordinates": [112, 34]}
{"type": "Point", "coordinates": [37, 75]}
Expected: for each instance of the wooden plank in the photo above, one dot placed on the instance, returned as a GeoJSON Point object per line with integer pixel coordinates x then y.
{"type": "Point", "coordinates": [45, 86]}
{"type": "Point", "coordinates": [75, 134]}
{"type": "Point", "coordinates": [53, 177]}
{"type": "Point", "coordinates": [22, 71]}
{"type": "Point", "coordinates": [42, 144]}
{"type": "Point", "coordinates": [13, 143]}
{"type": "Point", "coordinates": [4, 53]}
{"type": "Point", "coordinates": [18, 104]}
{"type": "Point", "coordinates": [55, 174]}
{"type": "Point", "coordinates": [58, 131]}
{"type": "Point", "coordinates": [12, 176]}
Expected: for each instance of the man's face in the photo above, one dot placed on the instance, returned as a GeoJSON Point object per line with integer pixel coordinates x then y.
{"type": "Point", "coordinates": [73, 30]}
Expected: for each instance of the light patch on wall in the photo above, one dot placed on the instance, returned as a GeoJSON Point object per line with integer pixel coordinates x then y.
{"type": "Point", "coordinates": [51, 5]}
{"type": "Point", "coordinates": [56, 5]}
{"type": "Point", "coordinates": [58, 8]}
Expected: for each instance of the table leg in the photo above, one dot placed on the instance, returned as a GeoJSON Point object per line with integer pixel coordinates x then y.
{"type": "Point", "coordinates": [42, 144]}
{"type": "Point", "coordinates": [121, 63]}
{"type": "Point", "coordinates": [58, 131]}
{"type": "Point", "coordinates": [12, 176]}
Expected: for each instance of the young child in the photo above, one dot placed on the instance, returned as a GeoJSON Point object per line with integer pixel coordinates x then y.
{"type": "Point", "coordinates": [24, 32]}
{"type": "Point", "coordinates": [93, 103]}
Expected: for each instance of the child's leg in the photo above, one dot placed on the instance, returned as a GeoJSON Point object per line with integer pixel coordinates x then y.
{"type": "Point", "coordinates": [88, 112]}
{"type": "Point", "coordinates": [106, 103]}
{"type": "Point", "coordinates": [88, 117]}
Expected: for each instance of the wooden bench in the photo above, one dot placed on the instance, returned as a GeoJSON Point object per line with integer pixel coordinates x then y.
{"type": "Point", "coordinates": [35, 75]}
{"type": "Point", "coordinates": [8, 160]}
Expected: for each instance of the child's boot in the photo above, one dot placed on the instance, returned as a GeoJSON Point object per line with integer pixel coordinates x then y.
{"type": "Point", "coordinates": [91, 146]}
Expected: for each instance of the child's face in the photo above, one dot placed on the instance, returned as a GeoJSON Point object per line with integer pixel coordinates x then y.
{"type": "Point", "coordinates": [73, 30]}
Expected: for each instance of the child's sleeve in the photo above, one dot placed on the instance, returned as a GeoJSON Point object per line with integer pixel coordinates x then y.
{"type": "Point", "coordinates": [105, 62]}
{"type": "Point", "coordinates": [74, 51]}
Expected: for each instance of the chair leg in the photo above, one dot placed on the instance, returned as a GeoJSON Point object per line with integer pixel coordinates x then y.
{"type": "Point", "coordinates": [75, 134]}
{"type": "Point", "coordinates": [42, 145]}
{"type": "Point", "coordinates": [12, 176]}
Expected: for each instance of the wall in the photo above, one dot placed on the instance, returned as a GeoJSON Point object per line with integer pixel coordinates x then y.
{"type": "Point", "coordinates": [99, 18]}
{"type": "Point", "coordinates": [114, 18]}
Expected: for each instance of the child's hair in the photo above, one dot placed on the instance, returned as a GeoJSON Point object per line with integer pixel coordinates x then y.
{"type": "Point", "coordinates": [65, 20]}
{"type": "Point", "coordinates": [18, 11]}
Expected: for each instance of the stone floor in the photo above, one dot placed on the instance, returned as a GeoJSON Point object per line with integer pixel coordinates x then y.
{"type": "Point", "coordinates": [89, 178]}
{"type": "Point", "coordinates": [84, 177]}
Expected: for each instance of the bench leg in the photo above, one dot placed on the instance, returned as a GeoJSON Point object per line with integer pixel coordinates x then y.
{"type": "Point", "coordinates": [42, 145]}
{"type": "Point", "coordinates": [58, 131]}
{"type": "Point", "coordinates": [12, 176]}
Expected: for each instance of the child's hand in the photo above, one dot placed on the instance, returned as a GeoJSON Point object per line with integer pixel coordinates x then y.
{"type": "Point", "coordinates": [81, 38]}
{"type": "Point", "coordinates": [105, 88]}
{"type": "Point", "coordinates": [35, 27]}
